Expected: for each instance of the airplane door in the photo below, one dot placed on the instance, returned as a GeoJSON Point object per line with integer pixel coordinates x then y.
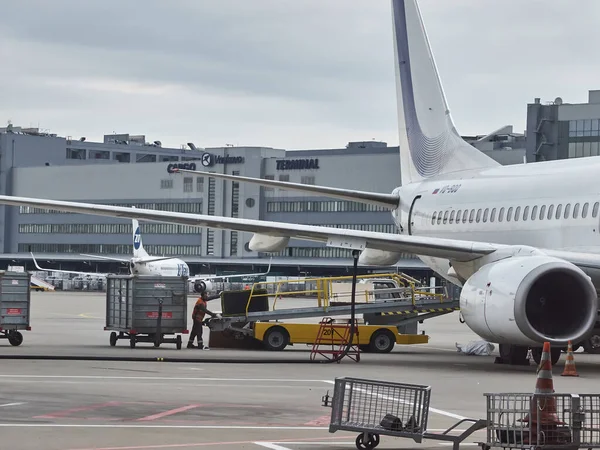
{"type": "Point", "coordinates": [411, 216]}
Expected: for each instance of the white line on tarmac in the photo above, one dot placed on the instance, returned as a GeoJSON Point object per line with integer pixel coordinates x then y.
{"type": "Point", "coordinates": [438, 411]}
{"type": "Point", "coordinates": [100, 377]}
{"type": "Point", "coordinates": [193, 427]}
{"type": "Point", "coordinates": [272, 446]}
{"type": "Point", "coordinates": [11, 404]}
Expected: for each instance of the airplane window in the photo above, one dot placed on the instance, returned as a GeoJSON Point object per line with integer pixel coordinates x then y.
{"type": "Point", "coordinates": [517, 213]}
{"type": "Point", "coordinates": [595, 210]}
{"type": "Point", "coordinates": [445, 217]}
{"type": "Point", "coordinates": [526, 212]}
{"type": "Point", "coordinates": [493, 216]}
{"type": "Point", "coordinates": [471, 216]}
{"type": "Point", "coordinates": [542, 212]}
{"type": "Point", "coordinates": [576, 211]}
{"type": "Point", "coordinates": [458, 213]}
{"type": "Point", "coordinates": [478, 217]}
{"type": "Point", "coordinates": [465, 212]}
{"type": "Point", "coordinates": [558, 211]}
{"type": "Point", "coordinates": [584, 211]}
{"type": "Point", "coordinates": [439, 220]}
{"type": "Point", "coordinates": [509, 214]}
{"type": "Point", "coordinates": [452, 216]}
{"type": "Point", "coordinates": [433, 218]}
{"type": "Point", "coordinates": [501, 215]}
{"type": "Point", "coordinates": [550, 211]}
{"type": "Point", "coordinates": [567, 210]}
{"type": "Point", "coordinates": [534, 212]}
{"type": "Point", "coordinates": [485, 214]}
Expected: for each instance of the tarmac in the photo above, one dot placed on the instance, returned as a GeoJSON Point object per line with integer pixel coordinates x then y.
{"type": "Point", "coordinates": [225, 399]}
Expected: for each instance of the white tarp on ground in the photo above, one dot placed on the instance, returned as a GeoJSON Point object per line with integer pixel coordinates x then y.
{"type": "Point", "coordinates": [477, 348]}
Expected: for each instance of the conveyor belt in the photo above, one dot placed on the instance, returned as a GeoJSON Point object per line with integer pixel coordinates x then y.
{"type": "Point", "coordinates": [388, 307]}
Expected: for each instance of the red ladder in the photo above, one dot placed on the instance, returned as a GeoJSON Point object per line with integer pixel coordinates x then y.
{"type": "Point", "coordinates": [336, 334]}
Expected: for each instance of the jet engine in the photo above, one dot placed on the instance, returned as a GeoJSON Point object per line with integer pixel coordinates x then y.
{"type": "Point", "coordinates": [202, 285]}
{"type": "Point", "coordinates": [528, 300]}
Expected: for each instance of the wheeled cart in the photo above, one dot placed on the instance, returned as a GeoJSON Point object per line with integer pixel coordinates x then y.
{"type": "Point", "coordinates": [146, 308]}
{"type": "Point", "coordinates": [373, 408]}
{"type": "Point", "coordinates": [15, 301]}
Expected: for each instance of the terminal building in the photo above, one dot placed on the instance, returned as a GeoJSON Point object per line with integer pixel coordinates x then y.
{"type": "Point", "coordinates": [127, 170]}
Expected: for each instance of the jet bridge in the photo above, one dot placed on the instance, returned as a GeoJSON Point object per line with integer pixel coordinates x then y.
{"type": "Point", "coordinates": [397, 298]}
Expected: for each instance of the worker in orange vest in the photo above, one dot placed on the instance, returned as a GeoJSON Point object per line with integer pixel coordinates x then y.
{"type": "Point", "coordinates": [200, 310]}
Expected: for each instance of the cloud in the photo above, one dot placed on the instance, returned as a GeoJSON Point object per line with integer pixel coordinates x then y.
{"type": "Point", "coordinates": [279, 73]}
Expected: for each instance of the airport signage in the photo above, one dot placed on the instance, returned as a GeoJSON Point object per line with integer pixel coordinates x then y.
{"type": "Point", "coordinates": [188, 166]}
{"type": "Point", "coordinates": [297, 164]}
{"type": "Point", "coordinates": [209, 160]}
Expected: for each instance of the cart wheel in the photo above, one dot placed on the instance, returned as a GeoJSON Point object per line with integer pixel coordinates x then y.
{"type": "Point", "coordinates": [15, 338]}
{"type": "Point", "coordinates": [372, 441]}
{"type": "Point", "coordinates": [132, 342]}
{"type": "Point", "coordinates": [113, 339]}
{"type": "Point", "coordinates": [178, 342]}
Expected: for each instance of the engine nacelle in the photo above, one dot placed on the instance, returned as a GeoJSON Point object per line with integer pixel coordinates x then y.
{"type": "Point", "coordinates": [528, 300]}
{"type": "Point", "coordinates": [202, 286]}
{"type": "Point", "coordinates": [374, 257]}
{"type": "Point", "coordinates": [266, 243]}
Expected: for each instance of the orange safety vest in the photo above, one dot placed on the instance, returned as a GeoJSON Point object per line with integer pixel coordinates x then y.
{"type": "Point", "coordinates": [198, 314]}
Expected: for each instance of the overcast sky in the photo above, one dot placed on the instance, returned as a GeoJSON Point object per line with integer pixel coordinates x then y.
{"type": "Point", "coordinates": [280, 73]}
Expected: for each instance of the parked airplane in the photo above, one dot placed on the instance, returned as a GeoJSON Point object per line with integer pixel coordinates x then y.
{"type": "Point", "coordinates": [523, 241]}
{"type": "Point", "coordinates": [144, 264]}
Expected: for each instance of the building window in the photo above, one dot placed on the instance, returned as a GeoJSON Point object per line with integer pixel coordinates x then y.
{"type": "Point", "coordinates": [99, 154]}
{"type": "Point", "coordinates": [75, 153]}
{"type": "Point", "coordinates": [145, 157]}
{"type": "Point", "coordinates": [200, 184]}
{"type": "Point", "coordinates": [188, 184]}
{"type": "Point", "coordinates": [307, 179]}
{"type": "Point", "coordinates": [114, 249]}
{"type": "Point", "coordinates": [269, 188]}
{"type": "Point", "coordinates": [166, 184]}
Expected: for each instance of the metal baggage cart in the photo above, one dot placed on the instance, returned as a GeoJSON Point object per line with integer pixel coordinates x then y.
{"type": "Point", "coordinates": [146, 308]}
{"type": "Point", "coordinates": [373, 408]}
{"type": "Point", "coordinates": [542, 421]}
{"type": "Point", "coordinates": [15, 302]}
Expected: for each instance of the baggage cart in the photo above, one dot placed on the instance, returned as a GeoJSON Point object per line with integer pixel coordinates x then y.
{"type": "Point", "coordinates": [373, 408]}
{"type": "Point", "coordinates": [542, 421]}
{"type": "Point", "coordinates": [15, 301]}
{"type": "Point", "coordinates": [146, 308]}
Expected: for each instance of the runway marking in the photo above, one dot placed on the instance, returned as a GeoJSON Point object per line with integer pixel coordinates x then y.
{"type": "Point", "coordinates": [62, 413]}
{"type": "Point", "coordinates": [192, 427]}
{"type": "Point", "coordinates": [87, 316]}
{"type": "Point", "coordinates": [170, 412]}
{"type": "Point", "coordinates": [12, 404]}
{"type": "Point", "coordinates": [307, 441]}
{"type": "Point", "coordinates": [272, 446]}
{"type": "Point", "coordinates": [386, 397]}
{"type": "Point", "coordinates": [104, 377]}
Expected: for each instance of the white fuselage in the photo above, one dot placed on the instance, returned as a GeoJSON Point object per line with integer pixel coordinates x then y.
{"type": "Point", "coordinates": [168, 268]}
{"type": "Point", "coordinates": [547, 205]}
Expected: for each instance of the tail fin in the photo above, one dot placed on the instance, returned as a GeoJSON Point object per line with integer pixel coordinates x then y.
{"type": "Point", "coordinates": [429, 142]}
{"type": "Point", "coordinates": [138, 246]}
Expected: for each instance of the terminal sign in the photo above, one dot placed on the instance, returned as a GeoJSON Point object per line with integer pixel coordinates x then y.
{"type": "Point", "coordinates": [297, 164]}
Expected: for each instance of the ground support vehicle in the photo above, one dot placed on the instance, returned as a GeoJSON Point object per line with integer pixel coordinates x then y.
{"type": "Point", "coordinates": [542, 421]}
{"type": "Point", "coordinates": [15, 304]}
{"type": "Point", "coordinates": [249, 313]}
{"type": "Point", "coordinates": [379, 408]}
{"type": "Point", "coordinates": [276, 336]}
{"type": "Point", "coordinates": [146, 308]}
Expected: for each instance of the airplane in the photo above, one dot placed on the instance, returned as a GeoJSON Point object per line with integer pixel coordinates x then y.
{"type": "Point", "coordinates": [144, 264]}
{"type": "Point", "coordinates": [522, 241]}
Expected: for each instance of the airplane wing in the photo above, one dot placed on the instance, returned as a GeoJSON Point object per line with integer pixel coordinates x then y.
{"type": "Point", "coordinates": [110, 258]}
{"type": "Point", "coordinates": [458, 250]}
{"type": "Point", "coordinates": [215, 277]}
{"type": "Point", "coordinates": [97, 274]}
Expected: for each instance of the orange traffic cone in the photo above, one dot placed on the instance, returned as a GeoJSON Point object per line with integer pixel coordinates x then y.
{"type": "Point", "coordinates": [570, 369]}
{"type": "Point", "coordinates": [543, 408]}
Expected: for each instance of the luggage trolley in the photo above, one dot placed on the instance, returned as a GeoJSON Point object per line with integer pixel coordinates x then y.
{"type": "Point", "coordinates": [15, 302]}
{"type": "Point", "coordinates": [145, 308]}
{"type": "Point", "coordinates": [373, 408]}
